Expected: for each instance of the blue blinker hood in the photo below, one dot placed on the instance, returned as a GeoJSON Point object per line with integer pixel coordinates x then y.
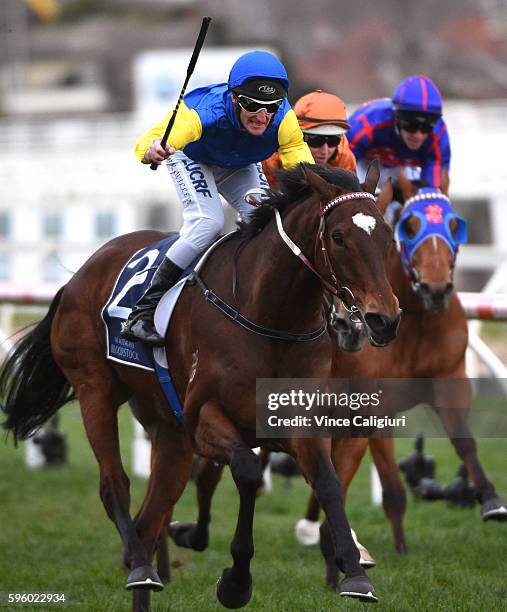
{"type": "Point", "coordinates": [435, 214]}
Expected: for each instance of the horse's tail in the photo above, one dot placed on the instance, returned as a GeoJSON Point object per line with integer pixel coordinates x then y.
{"type": "Point", "coordinates": [32, 386]}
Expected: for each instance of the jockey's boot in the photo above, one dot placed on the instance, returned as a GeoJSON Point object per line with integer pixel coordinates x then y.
{"type": "Point", "coordinates": [140, 324]}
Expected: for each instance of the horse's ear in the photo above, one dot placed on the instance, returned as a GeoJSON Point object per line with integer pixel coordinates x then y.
{"type": "Point", "coordinates": [385, 197]}
{"type": "Point", "coordinates": [406, 187]}
{"type": "Point", "coordinates": [444, 187]}
{"type": "Point", "coordinates": [318, 184]}
{"type": "Point", "coordinates": [372, 177]}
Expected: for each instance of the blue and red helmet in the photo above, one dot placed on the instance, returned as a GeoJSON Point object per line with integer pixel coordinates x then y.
{"type": "Point", "coordinates": [259, 74]}
{"type": "Point", "coordinates": [418, 94]}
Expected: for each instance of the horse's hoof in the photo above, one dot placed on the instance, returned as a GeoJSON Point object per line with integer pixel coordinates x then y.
{"type": "Point", "coordinates": [494, 509]}
{"type": "Point", "coordinates": [358, 587]}
{"type": "Point", "coordinates": [183, 534]}
{"type": "Point", "coordinates": [229, 594]}
{"type": "Point", "coordinates": [366, 561]}
{"type": "Point", "coordinates": [307, 532]}
{"type": "Point", "coordinates": [144, 577]}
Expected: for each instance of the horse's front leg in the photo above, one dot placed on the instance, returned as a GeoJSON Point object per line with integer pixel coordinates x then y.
{"type": "Point", "coordinates": [196, 535]}
{"type": "Point", "coordinates": [452, 399]}
{"type": "Point", "coordinates": [394, 497]}
{"type": "Point", "coordinates": [346, 455]}
{"type": "Point", "coordinates": [217, 438]}
{"type": "Point", "coordinates": [313, 456]}
{"type": "Point", "coordinates": [170, 447]}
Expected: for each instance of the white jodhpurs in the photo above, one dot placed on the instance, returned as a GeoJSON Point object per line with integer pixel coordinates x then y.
{"type": "Point", "coordinates": [199, 187]}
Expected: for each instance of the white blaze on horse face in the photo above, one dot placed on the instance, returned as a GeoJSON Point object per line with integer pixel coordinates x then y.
{"type": "Point", "coordinates": [365, 222]}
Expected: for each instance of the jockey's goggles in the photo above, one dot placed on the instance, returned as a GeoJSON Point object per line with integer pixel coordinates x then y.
{"type": "Point", "coordinates": [319, 140]}
{"type": "Point", "coordinates": [414, 125]}
{"type": "Point", "coordinates": [251, 105]}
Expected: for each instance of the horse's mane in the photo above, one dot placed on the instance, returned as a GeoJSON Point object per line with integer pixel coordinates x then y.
{"type": "Point", "coordinates": [398, 193]}
{"type": "Point", "coordinates": [399, 197]}
{"type": "Point", "coordinates": [294, 189]}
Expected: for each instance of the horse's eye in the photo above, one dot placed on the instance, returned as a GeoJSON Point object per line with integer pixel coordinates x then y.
{"type": "Point", "coordinates": [453, 226]}
{"type": "Point", "coordinates": [338, 238]}
{"type": "Point", "coordinates": [411, 226]}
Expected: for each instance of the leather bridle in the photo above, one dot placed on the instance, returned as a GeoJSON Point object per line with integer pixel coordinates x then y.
{"type": "Point", "coordinates": [342, 292]}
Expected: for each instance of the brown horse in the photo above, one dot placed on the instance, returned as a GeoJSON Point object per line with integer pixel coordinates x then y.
{"type": "Point", "coordinates": [215, 363]}
{"type": "Point", "coordinates": [431, 343]}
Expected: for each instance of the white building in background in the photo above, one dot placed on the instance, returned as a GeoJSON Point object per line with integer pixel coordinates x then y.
{"type": "Point", "coordinates": [67, 187]}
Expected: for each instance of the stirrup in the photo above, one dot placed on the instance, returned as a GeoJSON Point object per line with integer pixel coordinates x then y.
{"type": "Point", "coordinates": [142, 330]}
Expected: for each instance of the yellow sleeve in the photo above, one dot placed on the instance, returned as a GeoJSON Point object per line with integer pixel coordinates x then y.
{"type": "Point", "coordinates": [291, 146]}
{"type": "Point", "coordinates": [187, 128]}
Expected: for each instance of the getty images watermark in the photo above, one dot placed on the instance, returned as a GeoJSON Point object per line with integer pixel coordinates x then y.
{"type": "Point", "coordinates": [379, 407]}
{"type": "Point", "coordinates": [316, 402]}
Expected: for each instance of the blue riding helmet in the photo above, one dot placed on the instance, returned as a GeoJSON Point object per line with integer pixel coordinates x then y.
{"type": "Point", "coordinates": [418, 93]}
{"type": "Point", "coordinates": [435, 213]}
{"type": "Point", "coordinates": [258, 65]}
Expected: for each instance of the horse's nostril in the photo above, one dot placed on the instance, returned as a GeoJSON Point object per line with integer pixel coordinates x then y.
{"type": "Point", "coordinates": [378, 322]}
{"type": "Point", "coordinates": [448, 288]}
{"type": "Point", "coordinates": [436, 289]}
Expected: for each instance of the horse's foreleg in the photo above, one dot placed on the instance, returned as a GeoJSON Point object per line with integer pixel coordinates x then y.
{"type": "Point", "coordinates": [171, 463]}
{"type": "Point", "coordinates": [346, 456]}
{"type": "Point", "coordinates": [141, 600]}
{"type": "Point", "coordinates": [100, 419]}
{"type": "Point", "coordinates": [217, 438]}
{"type": "Point", "coordinates": [307, 528]}
{"type": "Point", "coordinates": [492, 506]}
{"type": "Point", "coordinates": [394, 497]}
{"type": "Point", "coordinates": [336, 538]}
{"type": "Point", "coordinates": [308, 534]}
{"type": "Point", "coordinates": [163, 568]}
{"type": "Point", "coordinates": [452, 401]}
{"type": "Point", "coordinates": [196, 535]}
{"type": "Point", "coordinates": [313, 508]}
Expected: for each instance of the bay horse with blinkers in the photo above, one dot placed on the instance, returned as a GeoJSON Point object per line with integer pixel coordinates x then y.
{"type": "Point", "coordinates": [215, 363]}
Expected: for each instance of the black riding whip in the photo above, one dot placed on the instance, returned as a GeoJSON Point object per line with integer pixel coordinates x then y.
{"type": "Point", "coordinates": [193, 60]}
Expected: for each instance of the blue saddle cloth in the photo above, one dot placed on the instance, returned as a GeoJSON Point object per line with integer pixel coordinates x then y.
{"type": "Point", "coordinates": [130, 285]}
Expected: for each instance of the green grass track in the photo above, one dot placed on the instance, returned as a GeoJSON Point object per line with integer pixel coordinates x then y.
{"type": "Point", "coordinates": [55, 537]}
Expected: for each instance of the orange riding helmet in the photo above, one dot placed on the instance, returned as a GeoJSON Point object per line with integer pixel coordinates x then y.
{"type": "Point", "coordinates": [321, 113]}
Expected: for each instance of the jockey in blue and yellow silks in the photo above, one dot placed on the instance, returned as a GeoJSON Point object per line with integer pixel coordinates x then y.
{"type": "Point", "coordinates": [221, 134]}
{"type": "Point", "coordinates": [405, 131]}
{"type": "Point", "coordinates": [208, 130]}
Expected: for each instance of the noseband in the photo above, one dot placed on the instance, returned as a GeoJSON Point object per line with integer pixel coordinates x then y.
{"type": "Point", "coordinates": [340, 291]}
